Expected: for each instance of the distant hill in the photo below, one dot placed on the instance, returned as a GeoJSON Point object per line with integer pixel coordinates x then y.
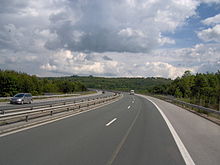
{"type": "Point", "coordinates": [122, 84]}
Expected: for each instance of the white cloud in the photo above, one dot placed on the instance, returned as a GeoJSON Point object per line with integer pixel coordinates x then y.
{"type": "Point", "coordinates": [161, 69]}
{"type": "Point", "coordinates": [173, 14]}
{"type": "Point", "coordinates": [201, 58]}
{"type": "Point", "coordinates": [129, 32]}
{"type": "Point", "coordinates": [118, 26]}
{"type": "Point", "coordinates": [67, 62]}
{"type": "Point", "coordinates": [210, 34]}
{"type": "Point", "coordinates": [79, 26]}
{"type": "Point", "coordinates": [48, 67]}
{"type": "Point", "coordinates": [29, 12]}
{"type": "Point", "coordinates": [106, 38]}
{"type": "Point", "coordinates": [212, 20]}
{"type": "Point", "coordinates": [165, 40]}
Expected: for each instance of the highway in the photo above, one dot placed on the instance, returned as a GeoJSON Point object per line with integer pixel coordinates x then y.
{"type": "Point", "coordinates": [130, 131]}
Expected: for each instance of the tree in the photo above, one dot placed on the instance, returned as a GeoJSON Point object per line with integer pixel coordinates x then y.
{"type": "Point", "coordinates": [200, 82]}
{"type": "Point", "coordinates": [178, 93]}
{"type": "Point", "coordinates": [12, 82]}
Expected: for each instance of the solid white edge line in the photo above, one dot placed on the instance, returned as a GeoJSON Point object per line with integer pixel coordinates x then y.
{"type": "Point", "coordinates": [109, 123]}
{"type": "Point", "coordinates": [185, 154]}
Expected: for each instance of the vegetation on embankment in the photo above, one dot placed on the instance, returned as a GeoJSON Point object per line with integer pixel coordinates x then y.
{"type": "Point", "coordinates": [201, 89]}
{"type": "Point", "coordinates": [12, 82]}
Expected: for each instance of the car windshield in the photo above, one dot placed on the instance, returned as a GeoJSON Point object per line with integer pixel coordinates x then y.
{"type": "Point", "coordinates": [19, 95]}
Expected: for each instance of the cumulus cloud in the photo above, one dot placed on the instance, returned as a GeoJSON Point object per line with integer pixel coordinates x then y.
{"type": "Point", "coordinates": [105, 28]}
{"type": "Point", "coordinates": [105, 38]}
{"type": "Point", "coordinates": [165, 40]}
{"type": "Point", "coordinates": [161, 69]}
{"type": "Point", "coordinates": [212, 20]}
{"type": "Point", "coordinates": [92, 26]}
{"type": "Point", "coordinates": [200, 58]}
{"type": "Point", "coordinates": [210, 34]}
{"type": "Point", "coordinates": [48, 67]}
{"type": "Point", "coordinates": [68, 62]}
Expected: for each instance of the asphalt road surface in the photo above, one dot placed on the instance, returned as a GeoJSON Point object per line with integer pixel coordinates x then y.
{"type": "Point", "coordinates": [130, 131]}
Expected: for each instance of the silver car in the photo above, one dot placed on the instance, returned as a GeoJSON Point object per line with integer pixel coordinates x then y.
{"type": "Point", "coordinates": [21, 98]}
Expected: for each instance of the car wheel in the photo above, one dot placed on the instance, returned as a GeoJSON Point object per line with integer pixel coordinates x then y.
{"type": "Point", "coordinates": [30, 102]}
{"type": "Point", "coordinates": [22, 102]}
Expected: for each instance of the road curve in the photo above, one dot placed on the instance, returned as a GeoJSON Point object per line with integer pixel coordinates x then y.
{"type": "Point", "coordinates": [127, 132]}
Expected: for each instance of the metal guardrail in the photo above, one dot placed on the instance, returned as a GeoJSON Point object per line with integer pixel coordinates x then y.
{"type": "Point", "coordinates": [26, 114]}
{"type": "Point", "coordinates": [189, 105]}
{"type": "Point", "coordinates": [201, 108]}
{"type": "Point", "coordinates": [43, 96]}
{"type": "Point", "coordinates": [35, 106]}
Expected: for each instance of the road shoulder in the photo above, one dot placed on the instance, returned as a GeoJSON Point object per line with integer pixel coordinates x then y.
{"type": "Point", "coordinates": [200, 136]}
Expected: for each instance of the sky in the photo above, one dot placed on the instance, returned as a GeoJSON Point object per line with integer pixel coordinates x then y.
{"type": "Point", "coordinates": [110, 38]}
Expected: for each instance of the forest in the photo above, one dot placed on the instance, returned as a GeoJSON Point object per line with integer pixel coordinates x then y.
{"type": "Point", "coordinates": [12, 82]}
{"type": "Point", "coordinates": [201, 89]}
{"type": "Point", "coordinates": [140, 85]}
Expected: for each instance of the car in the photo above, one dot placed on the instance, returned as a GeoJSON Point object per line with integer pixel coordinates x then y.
{"type": "Point", "coordinates": [21, 98]}
{"type": "Point", "coordinates": [131, 92]}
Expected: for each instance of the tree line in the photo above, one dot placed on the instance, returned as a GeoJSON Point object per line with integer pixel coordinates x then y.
{"type": "Point", "coordinates": [120, 83]}
{"type": "Point", "coordinates": [12, 82]}
{"type": "Point", "coordinates": [202, 88]}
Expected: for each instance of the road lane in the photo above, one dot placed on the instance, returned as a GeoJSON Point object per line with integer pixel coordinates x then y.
{"type": "Point", "coordinates": [150, 141]}
{"type": "Point", "coordinates": [200, 136]}
{"type": "Point", "coordinates": [85, 139]}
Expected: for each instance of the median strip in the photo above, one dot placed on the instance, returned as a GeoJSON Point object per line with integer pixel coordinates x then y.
{"type": "Point", "coordinates": [109, 123]}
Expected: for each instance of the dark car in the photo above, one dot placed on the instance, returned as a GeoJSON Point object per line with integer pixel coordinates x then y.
{"type": "Point", "coordinates": [22, 98]}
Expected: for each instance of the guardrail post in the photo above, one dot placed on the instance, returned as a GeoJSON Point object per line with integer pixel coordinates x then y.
{"type": "Point", "coordinates": [3, 112]}
{"type": "Point", "coordinates": [51, 113]}
{"type": "Point", "coordinates": [26, 118]}
{"type": "Point", "coordinates": [64, 103]}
